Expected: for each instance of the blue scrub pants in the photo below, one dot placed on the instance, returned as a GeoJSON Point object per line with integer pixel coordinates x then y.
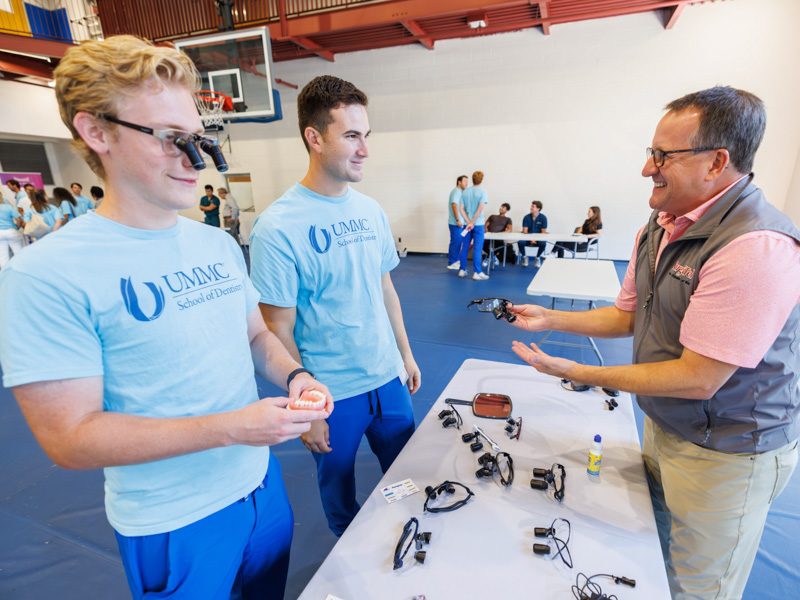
{"type": "Point", "coordinates": [386, 417]}
{"type": "Point", "coordinates": [454, 251]}
{"type": "Point", "coordinates": [241, 551]}
{"type": "Point", "coordinates": [476, 235]}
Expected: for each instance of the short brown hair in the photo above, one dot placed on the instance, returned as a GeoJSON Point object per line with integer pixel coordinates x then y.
{"type": "Point", "coordinates": [97, 76]}
{"type": "Point", "coordinates": [477, 177]}
{"type": "Point", "coordinates": [319, 97]}
{"type": "Point", "coordinates": [731, 119]}
{"type": "Point", "coordinates": [537, 204]}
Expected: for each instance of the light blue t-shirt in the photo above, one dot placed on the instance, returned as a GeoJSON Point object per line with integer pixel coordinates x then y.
{"type": "Point", "coordinates": [84, 205]}
{"type": "Point", "coordinates": [7, 215]}
{"type": "Point", "coordinates": [326, 256]}
{"type": "Point", "coordinates": [455, 198]}
{"type": "Point", "coordinates": [162, 317]}
{"type": "Point", "coordinates": [472, 198]}
{"type": "Point", "coordinates": [67, 210]}
{"type": "Point", "coordinates": [50, 214]}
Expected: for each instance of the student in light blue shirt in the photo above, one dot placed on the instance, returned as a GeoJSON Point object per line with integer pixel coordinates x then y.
{"type": "Point", "coordinates": [10, 237]}
{"type": "Point", "coordinates": [84, 204]}
{"type": "Point", "coordinates": [99, 322]}
{"type": "Point", "coordinates": [40, 206]}
{"type": "Point", "coordinates": [67, 204]}
{"type": "Point", "coordinates": [455, 223]}
{"type": "Point", "coordinates": [473, 207]}
{"type": "Point", "coordinates": [13, 185]}
{"type": "Point", "coordinates": [321, 259]}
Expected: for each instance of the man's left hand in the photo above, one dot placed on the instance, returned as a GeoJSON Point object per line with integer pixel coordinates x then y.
{"type": "Point", "coordinates": [544, 363]}
{"type": "Point", "coordinates": [414, 375]}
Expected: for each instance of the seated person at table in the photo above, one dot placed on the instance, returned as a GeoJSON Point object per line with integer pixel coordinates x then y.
{"type": "Point", "coordinates": [535, 222]}
{"type": "Point", "coordinates": [498, 224]}
{"type": "Point", "coordinates": [592, 228]}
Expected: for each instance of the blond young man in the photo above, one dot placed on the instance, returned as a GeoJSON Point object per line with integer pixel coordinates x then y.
{"type": "Point", "coordinates": [125, 372]}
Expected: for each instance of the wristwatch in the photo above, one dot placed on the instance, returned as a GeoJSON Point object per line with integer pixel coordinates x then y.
{"type": "Point", "coordinates": [294, 374]}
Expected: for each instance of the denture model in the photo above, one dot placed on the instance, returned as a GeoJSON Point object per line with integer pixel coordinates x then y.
{"type": "Point", "coordinates": [309, 400]}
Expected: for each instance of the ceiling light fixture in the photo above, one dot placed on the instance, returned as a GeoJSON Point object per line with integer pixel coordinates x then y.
{"type": "Point", "coordinates": [477, 21]}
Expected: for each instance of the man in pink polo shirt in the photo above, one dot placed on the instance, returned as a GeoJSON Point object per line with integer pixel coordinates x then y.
{"type": "Point", "coordinates": [712, 299]}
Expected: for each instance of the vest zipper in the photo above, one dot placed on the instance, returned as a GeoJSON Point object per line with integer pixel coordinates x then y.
{"type": "Point", "coordinates": [708, 422]}
{"type": "Point", "coordinates": [647, 300]}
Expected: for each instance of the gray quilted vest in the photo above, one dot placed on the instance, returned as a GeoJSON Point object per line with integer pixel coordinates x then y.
{"type": "Point", "coordinates": [756, 410]}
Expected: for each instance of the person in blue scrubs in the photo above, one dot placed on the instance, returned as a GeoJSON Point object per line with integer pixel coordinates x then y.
{"type": "Point", "coordinates": [321, 258]}
{"type": "Point", "coordinates": [209, 204]}
{"type": "Point", "coordinates": [455, 223]}
{"type": "Point", "coordinates": [473, 211]}
{"type": "Point", "coordinates": [143, 363]}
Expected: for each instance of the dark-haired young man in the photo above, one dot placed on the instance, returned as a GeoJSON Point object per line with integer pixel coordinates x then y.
{"type": "Point", "coordinates": [498, 224]}
{"type": "Point", "coordinates": [321, 257]}
{"type": "Point", "coordinates": [209, 204]}
{"type": "Point", "coordinates": [712, 299]}
{"type": "Point", "coordinates": [455, 223]}
{"type": "Point", "coordinates": [13, 185]}
{"type": "Point", "coordinates": [84, 204]}
{"type": "Point", "coordinates": [534, 222]}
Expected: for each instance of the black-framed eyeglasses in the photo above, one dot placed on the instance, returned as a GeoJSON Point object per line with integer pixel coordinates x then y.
{"type": "Point", "coordinates": [660, 156]}
{"type": "Point", "coordinates": [175, 142]}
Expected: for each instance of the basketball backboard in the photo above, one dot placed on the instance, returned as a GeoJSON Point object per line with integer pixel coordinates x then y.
{"type": "Point", "coordinates": [238, 64]}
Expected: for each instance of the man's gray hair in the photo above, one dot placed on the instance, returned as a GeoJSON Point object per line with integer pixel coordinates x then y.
{"type": "Point", "coordinates": [731, 119]}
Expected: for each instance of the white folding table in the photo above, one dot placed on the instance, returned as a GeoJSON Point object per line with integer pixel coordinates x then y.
{"type": "Point", "coordinates": [511, 236]}
{"type": "Point", "coordinates": [484, 550]}
{"type": "Point", "coordinates": [565, 278]}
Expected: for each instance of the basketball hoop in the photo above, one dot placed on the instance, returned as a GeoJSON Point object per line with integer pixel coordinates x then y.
{"type": "Point", "coordinates": [211, 105]}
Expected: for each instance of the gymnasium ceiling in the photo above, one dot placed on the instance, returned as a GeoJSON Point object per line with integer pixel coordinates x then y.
{"type": "Point", "coordinates": [325, 28]}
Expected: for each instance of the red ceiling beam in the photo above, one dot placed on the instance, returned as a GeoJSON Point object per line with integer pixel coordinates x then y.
{"type": "Point", "coordinates": [671, 15]}
{"type": "Point", "coordinates": [32, 45]}
{"type": "Point", "coordinates": [465, 33]}
{"type": "Point", "coordinates": [382, 14]}
{"type": "Point", "coordinates": [622, 10]}
{"type": "Point", "coordinates": [414, 29]}
{"type": "Point", "coordinates": [315, 48]}
{"type": "Point", "coordinates": [545, 23]}
{"type": "Point", "coordinates": [19, 65]}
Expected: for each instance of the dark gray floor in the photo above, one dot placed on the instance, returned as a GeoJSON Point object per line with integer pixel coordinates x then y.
{"type": "Point", "coordinates": [56, 543]}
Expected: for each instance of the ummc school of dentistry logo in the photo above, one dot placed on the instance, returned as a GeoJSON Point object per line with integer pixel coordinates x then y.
{"type": "Point", "coordinates": [132, 300]}
{"type": "Point", "coordinates": [354, 231]}
{"type": "Point", "coordinates": [312, 236]}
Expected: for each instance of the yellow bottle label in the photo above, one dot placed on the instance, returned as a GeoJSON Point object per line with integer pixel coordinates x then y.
{"type": "Point", "coordinates": [593, 467]}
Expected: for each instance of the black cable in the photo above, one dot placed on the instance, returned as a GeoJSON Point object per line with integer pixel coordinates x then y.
{"type": "Point", "coordinates": [449, 487]}
{"type": "Point", "coordinates": [561, 545]}
{"type": "Point", "coordinates": [591, 590]}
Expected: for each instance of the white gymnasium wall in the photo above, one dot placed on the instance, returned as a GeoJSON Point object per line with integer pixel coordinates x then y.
{"type": "Point", "coordinates": [563, 118]}
{"type": "Point", "coordinates": [30, 113]}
